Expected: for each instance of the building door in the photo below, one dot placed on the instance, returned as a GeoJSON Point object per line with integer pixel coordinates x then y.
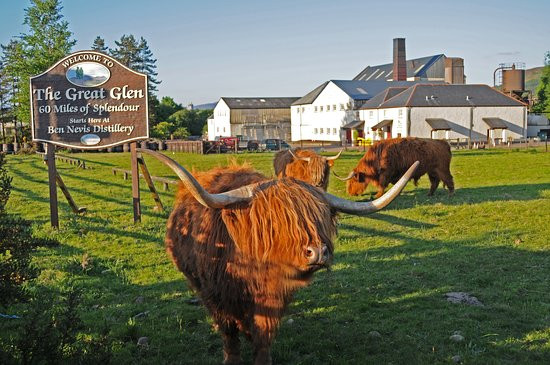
{"type": "Point", "coordinates": [388, 131]}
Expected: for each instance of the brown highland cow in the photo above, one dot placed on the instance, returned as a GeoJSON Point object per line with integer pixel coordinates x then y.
{"type": "Point", "coordinates": [304, 165]}
{"type": "Point", "coordinates": [385, 161]}
{"type": "Point", "coordinates": [246, 243]}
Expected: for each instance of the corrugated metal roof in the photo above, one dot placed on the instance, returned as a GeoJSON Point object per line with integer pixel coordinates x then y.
{"type": "Point", "coordinates": [259, 103]}
{"type": "Point", "coordinates": [450, 95]}
{"type": "Point", "coordinates": [417, 67]}
{"type": "Point", "coordinates": [366, 90]}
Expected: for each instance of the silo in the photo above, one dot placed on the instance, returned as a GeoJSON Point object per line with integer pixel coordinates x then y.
{"type": "Point", "coordinates": [513, 80]}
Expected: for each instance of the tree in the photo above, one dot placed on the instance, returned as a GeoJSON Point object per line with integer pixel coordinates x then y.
{"type": "Point", "coordinates": [47, 40]}
{"type": "Point", "coordinates": [99, 45]}
{"type": "Point", "coordinates": [126, 51]}
{"type": "Point", "coordinates": [192, 120]}
{"type": "Point", "coordinates": [542, 94]}
{"type": "Point", "coordinates": [137, 56]}
{"type": "Point", "coordinates": [166, 108]}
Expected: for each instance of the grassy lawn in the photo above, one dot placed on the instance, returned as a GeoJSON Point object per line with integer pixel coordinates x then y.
{"type": "Point", "coordinates": [390, 275]}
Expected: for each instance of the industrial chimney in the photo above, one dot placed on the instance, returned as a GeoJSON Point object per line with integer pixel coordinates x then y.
{"type": "Point", "coordinates": [399, 60]}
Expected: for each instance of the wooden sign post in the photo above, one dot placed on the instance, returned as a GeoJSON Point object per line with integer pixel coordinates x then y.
{"type": "Point", "coordinates": [89, 101]}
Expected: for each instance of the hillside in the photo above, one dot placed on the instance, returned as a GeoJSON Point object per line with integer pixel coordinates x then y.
{"type": "Point", "coordinates": [532, 77]}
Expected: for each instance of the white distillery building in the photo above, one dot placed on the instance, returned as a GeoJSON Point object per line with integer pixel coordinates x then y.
{"type": "Point", "coordinates": [322, 113]}
{"type": "Point", "coordinates": [475, 112]}
{"type": "Point", "coordinates": [253, 118]}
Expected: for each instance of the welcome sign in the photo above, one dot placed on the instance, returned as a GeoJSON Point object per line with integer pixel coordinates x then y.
{"type": "Point", "coordinates": [89, 100]}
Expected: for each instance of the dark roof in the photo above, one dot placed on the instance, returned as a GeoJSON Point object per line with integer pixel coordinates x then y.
{"type": "Point", "coordinates": [357, 90]}
{"type": "Point", "coordinates": [354, 124]}
{"type": "Point", "coordinates": [385, 95]}
{"type": "Point", "coordinates": [438, 123]}
{"type": "Point", "coordinates": [495, 123]}
{"type": "Point", "coordinates": [450, 95]}
{"type": "Point", "coordinates": [312, 95]}
{"type": "Point", "coordinates": [259, 103]}
{"type": "Point", "coordinates": [415, 68]}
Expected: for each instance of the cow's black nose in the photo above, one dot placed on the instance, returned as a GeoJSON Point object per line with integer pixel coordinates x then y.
{"type": "Point", "coordinates": [317, 255]}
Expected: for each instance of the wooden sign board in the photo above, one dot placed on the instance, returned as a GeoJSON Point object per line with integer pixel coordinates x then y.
{"type": "Point", "coordinates": [89, 100]}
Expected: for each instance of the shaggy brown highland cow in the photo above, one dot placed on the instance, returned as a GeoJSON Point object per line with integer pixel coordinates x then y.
{"type": "Point", "coordinates": [385, 162]}
{"type": "Point", "coordinates": [304, 165]}
{"type": "Point", "coordinates": [246, 243]}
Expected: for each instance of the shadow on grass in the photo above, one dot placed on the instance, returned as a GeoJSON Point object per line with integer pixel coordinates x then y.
{"type": "Point", "coordinates": [397, 291]}
{"type": "Point", "coordinates": [419, 196]}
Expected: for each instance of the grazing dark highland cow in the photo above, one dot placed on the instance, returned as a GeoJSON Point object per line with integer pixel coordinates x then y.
{"type": "Point", "coordinates": [304, 165]}
{"type": "Point", "coordinates": [387, 160]}
{"type": "Point", "coordinates": [246, 243]}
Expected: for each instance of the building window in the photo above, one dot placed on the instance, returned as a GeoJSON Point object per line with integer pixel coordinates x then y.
{"type": "Point", "coordinates": [303, 109]}
{"type": "Point", "coordinates": [321, 108]}
{"type": "Point", "coordinates": [348, 106]}
{"type": "Point", "coordinates": [315, 109]}
{"type": "Point", "coordinates": [400, 112]}
{"type": "Point", "coordinates": [328, 108]}
{"type": "Point", "coordinates": [297, 110]}
{"type": "Point", "coordinates": [371, 113]}
{"type": "Point", "coordinates": [341, 106]}
{"type": "Point", "coordinates": [217, 129]}
{"type": "Point", "coordinates": [223, 129]}
{"type": "Point", "coordinates": [314, 130]}
{"type": "Point", "coordinates": [321, 131]}
{"type": "Point", "coordinates": [385, 112]}
{"type": "Point", "coordinates": [334, 131]}
{"type": "Point", "coordinates": [334, 108]}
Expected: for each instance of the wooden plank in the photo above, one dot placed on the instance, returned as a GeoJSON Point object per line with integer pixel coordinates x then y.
{"type": "Point", "coordinates": [50, 157]}
{"type": "Point", "coordinates": [135, 183]}
{"type": "Point", "coordinates": [150, 184]}
{"type": "Point", "coordinates": [68, 196]}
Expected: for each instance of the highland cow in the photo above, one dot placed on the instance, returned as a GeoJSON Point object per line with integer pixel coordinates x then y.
{"type": "Point", "coordinates": [246, 243]}
{"type": "Point", "coordinates": [304, 165]}
{"type": "Point", "coordinates": [385, 161]}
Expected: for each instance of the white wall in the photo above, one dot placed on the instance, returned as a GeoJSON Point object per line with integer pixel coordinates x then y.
{"type": "Point", "coordinates": [375, 116]}
{"type": "Point", "coordinates": [459, 118]}
{"type": "Point", "coordinates": [315, 122]}
{"type": "Point", "coordinates": [220, 127]}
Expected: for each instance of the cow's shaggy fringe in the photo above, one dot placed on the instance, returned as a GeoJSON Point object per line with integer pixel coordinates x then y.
{"type": "Point", "coordinates": [315, 172]}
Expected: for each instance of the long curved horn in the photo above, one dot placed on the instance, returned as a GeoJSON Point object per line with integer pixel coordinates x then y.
{"type": "Point", "coordinates": [360, 208]}
{"type": "Point", "coordinates": [344, 178]}
{"type": "Point", "coordinates": [242, 194]}
{"type": "Point", "coordinates": [335, 157]}
{"type": "Point", "coordinates": [306, 159]}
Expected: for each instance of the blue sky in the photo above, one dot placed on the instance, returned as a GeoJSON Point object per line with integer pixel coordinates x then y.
{"type": "Point", "coordinates": [207, 49]}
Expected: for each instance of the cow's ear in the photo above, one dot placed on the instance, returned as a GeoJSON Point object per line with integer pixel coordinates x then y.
{"type": "Point", "coordinates": [233, 223]}
{"type": "Point", "coordinates": [330, 163]}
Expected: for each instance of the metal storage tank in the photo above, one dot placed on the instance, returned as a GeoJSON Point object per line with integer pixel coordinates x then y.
{"type": "Point", "coordinates": [513, 79]}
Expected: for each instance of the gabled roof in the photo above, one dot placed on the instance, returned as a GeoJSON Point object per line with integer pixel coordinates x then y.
{"type": "Point", "coordinates": [450, 95]}
{"type": "Point", "coordinates": [259, 103]}
{"type": "Point", "coordinates": [385, 95]}
{"type": "Point", "coordinates": [357, 90]}
{"type": "Point", "coordinates": [415, 68]}
{"type": "Point", "coordinates": [312, 95]}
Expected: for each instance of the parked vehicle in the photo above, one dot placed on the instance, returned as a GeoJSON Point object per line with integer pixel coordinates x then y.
{"type": "Point", "coordinates": [273, 144]}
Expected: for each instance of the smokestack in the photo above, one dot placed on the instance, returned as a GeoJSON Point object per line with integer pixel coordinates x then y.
{"type": "Point", "coordinates": [399, 60]}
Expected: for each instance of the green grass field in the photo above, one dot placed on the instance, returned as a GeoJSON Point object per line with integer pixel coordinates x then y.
{"type": "Point", "coordinates": [390, 275]}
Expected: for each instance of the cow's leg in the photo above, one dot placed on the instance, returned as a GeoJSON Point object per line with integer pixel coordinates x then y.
{"type": "Point", "coordinates": [434, 180]}
{"type": "Point", "coordinates": [382, 183]}
{"type": "Point", "coordinates": [262, 335]}
{"type": "Point", "coordinates": [447, 179]}
{"type": "Point", "coordinates": [231, 343]}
